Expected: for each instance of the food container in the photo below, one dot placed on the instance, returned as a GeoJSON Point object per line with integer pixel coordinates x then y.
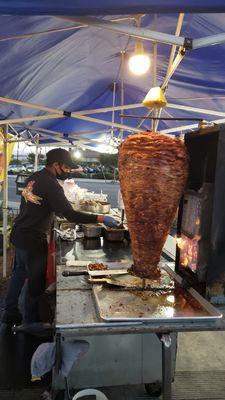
{"type": "Point", "coordinates": [92, 230]}
{"type": "Point", "coordinates": [114, 235]}
{"type": "Point", "coordinates": [99, 207]}
{"type": "Point", "coordinates": [67, 225]}
{"type": "Point", "coordinates": [103, 207]}
{"type": "Point", "coordinates": [90, 206]}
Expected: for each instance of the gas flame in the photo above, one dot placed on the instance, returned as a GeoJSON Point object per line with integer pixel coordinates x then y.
{"type": "Point", "coordinates": [197, 237]}
{"type": "Point", "coordinates": [169, 312]}
{"type": "Point", "coordinates": [181, 242]}
{"type": "Point", "coordinates": [171, 298]}
{"type": "Point", "coordinates": [185, 262]}
{"type": "Point", "coordinates": [189, 252]}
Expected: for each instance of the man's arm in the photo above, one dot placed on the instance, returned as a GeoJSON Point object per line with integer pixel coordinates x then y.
{"type": "Point", "coordinates": [60, 205]}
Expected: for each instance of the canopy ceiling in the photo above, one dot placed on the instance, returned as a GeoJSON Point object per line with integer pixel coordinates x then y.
{"type": "Point", "coordinates": [108, 7]}
{"type": "Point", "coordinates": [73, 69]}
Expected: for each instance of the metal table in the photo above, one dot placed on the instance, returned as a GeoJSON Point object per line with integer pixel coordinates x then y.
{"type": "Point", "coordinates": [83, 318]}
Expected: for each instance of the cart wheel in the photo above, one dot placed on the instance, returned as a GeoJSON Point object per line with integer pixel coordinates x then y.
{"type": "Point", "coordinates": [46, 395]}
{"type": "Point", "coordinates": [58, 395]}
{"type": "Point", "coordinates": [154, 389]}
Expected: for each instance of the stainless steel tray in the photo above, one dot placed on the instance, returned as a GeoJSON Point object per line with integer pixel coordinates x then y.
{"type": "Point", "coordinates": [137, 305]}
{"type": "Point", "coordinates": [114, 235]}
{"type": "Point", "coordinates": [92, 230]}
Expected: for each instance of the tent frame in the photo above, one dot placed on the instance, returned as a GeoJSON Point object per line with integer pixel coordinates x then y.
{"type": "Point", "coordinates": [183, 43]}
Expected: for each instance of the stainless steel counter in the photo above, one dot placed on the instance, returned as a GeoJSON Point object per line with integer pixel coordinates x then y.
{"type": "Point", "coordinates": [133, 346]}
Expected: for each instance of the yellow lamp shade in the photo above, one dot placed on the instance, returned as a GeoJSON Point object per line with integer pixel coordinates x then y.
{"type": "Point", "coordinates": [155, 98]}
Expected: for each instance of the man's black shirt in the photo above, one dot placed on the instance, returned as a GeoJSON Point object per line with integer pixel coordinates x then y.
{"type": "Point", "coordinates": [41, 198]}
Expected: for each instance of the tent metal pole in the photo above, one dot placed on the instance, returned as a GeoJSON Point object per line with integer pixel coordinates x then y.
{"type": "Point", "coordinates": [36, 155]}
{"type": "Point", "coordinates": [107, 123]}
{"type": "Point", "coordinates": [36, 128]}
{"type": "Point", "coordinates": [60, 112]}
{"type": "Point", "coordinates": [5, 200]}
{"type": "Point", "coordinates": [78, 115]}
{"type": "Point", "coordinates": [173, 67]}
{"type": "Point", "coordinates": [31, 105]}
{"type": "Point", "coordinates": [173, 64]}
{"type": "Point", "coordinates": [122, 89]}
{"type": "Point", "coordinates": [208, 41]}
{"type": "Point", "coordinates": [66, 144]}
{"type": "Point", "coordinates": [171, 60]}
{"type": "Point", "coordinates": [141, 33]}
{"type": "Point", "coordinates": [108, 109]}
{"type": "Point", "coordinates": [173, 48]}
{"type": "Point", "coordinates": [140, 105]}
{"type": "Point", "coordinates": [25, 119]}
{"type": "Point", "coordinates": [19, 140]}
{"type": "Point", "coordinates": [57, 138]}
{"type": "Point", "coordinates": [74, 138]}
{"type": "Point", "coordinates": [188, 127]}
{"type": "Point", "coordinates": [196, 109]}
{"type": "Point", "coordinates": [113, 105]}
{"type": "Point", "coordinates": [81, 115]}
{"type": "Point", "coordinates": [56, 30]}
{"type": "Point", "coordinates": [154, 73]}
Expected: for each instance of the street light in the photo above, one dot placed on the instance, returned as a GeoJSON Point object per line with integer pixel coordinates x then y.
{"type": "Point", "coordinates": [77, 153]}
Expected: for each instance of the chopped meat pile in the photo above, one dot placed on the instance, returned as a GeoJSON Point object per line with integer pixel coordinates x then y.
{"type": "Point", "coordinates": [153, 170]}
{"type": "Point", "coordinates": [97, 267]}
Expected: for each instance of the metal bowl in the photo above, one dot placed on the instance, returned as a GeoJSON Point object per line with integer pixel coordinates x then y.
{"type": "Point", "coordinates": [92, 230]}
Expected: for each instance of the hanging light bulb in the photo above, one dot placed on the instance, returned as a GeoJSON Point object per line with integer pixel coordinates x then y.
{"type": "Point", "coordinates": [139, 63]}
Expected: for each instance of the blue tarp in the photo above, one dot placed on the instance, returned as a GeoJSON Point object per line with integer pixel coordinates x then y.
{"type": "Point", "coordinates": [108, 7]}
{"type": "Point", "coordinates": [75, 70]}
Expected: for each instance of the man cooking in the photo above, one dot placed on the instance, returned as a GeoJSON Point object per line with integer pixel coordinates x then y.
{"type": "Point", "coordinates": [41, 198]}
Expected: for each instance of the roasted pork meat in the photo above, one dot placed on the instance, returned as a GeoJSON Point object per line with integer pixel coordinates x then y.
{"type": "Point", "coordinates": [153, 170]}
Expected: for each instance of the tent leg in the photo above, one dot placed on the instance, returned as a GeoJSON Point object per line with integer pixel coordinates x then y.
{"type": "Point", "coordinates": [5, 200]}
{"type": "Point", "coordinates": [36, 156]}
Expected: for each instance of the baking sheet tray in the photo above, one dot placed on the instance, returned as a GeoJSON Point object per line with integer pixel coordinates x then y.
{"type": "Point", "coordinates": [136, 305]}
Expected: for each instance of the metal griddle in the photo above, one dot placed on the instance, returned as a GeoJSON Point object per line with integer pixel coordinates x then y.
{"type": "Point", "coordinates": [136, 305]}
{"type": "Point", "coordinates": [129, 282]}
{"type": "Point", "coordinates": [117, 275]}
{"type": "Point", "coordinates": [113, 268]}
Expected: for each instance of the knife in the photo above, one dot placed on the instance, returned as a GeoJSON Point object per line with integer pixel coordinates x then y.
{"type": "Point", "coordinates": [102, 272]}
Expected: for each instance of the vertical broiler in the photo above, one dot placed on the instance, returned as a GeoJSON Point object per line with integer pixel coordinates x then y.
{"type": "Point", "coordinates": [153, 170]}
{"type": "Point", "coordinates": [200, 257]}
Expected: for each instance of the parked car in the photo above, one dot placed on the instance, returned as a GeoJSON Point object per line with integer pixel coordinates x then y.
{"type": "Point", "coordinates": [16, 169]}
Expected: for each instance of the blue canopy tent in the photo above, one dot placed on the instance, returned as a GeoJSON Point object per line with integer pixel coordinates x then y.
{"type": "Point", "coordinates": [109, 7]}
{"type": "Point", "coordinates": [75, 69]}
{"type": "Point", "coordinates": [76, 60]}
